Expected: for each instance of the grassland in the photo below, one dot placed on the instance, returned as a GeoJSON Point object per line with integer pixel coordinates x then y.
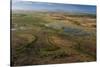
{"type": "Point", "coordinates": [52, 38]}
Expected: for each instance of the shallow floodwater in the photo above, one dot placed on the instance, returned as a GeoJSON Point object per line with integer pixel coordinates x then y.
{"type": "Point", "coordinates": [20, 28]}
{"type": "Point", "coordinates": [76, 31]}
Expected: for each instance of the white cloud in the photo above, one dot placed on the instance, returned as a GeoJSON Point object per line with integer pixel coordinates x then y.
{"type": "Point", "coordinates": [50, 4]}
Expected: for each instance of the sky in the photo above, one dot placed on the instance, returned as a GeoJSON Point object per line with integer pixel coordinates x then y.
{"type": "Point", "coordinates": [29, 5]}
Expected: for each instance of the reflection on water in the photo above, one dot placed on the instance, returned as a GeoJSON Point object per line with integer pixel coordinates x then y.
{"type": "Point", "coordinates": [76, 31]}
{"type": "Point", "coordinates": [21, 28]}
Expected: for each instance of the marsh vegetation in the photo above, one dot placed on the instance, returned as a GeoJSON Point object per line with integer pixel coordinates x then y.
{"type": "Point", "coordinates": [50, 38]}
